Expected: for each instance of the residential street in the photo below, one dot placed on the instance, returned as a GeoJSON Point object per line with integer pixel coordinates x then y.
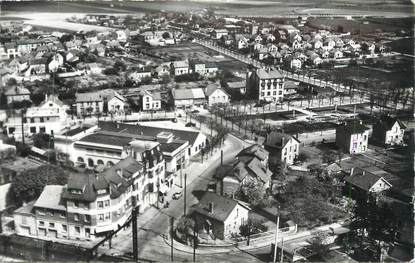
{"type": "Point", "coordinates": [154, 223]}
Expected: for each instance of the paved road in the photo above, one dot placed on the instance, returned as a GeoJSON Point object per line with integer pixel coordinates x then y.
{"type": "Point", "coordinates": [155, 223]}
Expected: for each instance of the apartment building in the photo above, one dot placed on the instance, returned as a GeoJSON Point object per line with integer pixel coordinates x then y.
{"type": "Point", "coordinates": [150, 100]}
{"type": "Point", "coordinates": [90, 206]}
{"type": "Point", "coordinates": [266, 84]}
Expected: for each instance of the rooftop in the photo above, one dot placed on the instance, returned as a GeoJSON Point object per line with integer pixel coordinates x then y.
{"type": "Point", "coordinates": [50, 198]}
{"type": "Point", "coordinates": [269, 74]}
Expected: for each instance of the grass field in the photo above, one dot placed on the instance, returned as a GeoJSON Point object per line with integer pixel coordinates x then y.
{"type": "Point", "coordinates": [239, 8]}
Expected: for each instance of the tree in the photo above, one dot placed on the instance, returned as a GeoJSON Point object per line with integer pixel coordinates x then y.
{"type": "Point", "coordinates": [43, 140]}
{"type": "Point", "coordinates": [166, 35]}
{"type": "Point", "coordinates": [318, 244]}
{"type": "Point", "coordinates": [253, 193]}
{"type": "Point", "coordinates": [28, 185]}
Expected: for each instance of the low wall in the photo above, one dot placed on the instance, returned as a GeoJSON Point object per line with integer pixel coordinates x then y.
{"type": "Point", "coordinates": [33, 249]}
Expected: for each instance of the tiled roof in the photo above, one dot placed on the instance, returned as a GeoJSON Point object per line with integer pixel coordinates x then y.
{"type": "Point", "coordinates": [387, 122]}
{"type": "Point", "coordinates": [278, 139]}
{"type": "Point", "coordinates": [50, 198]}
{"type": "Point", "coordinates": [212, 88]}
{"type": "Point", "coordinates": [353, 127]}
{"type": "Point", "coordinates": [98, 96]}
{"type": "Point", "coordinates": [185, 94]}
{"type": "Point", "coordinates": [364, 179]}
{"type": "Point", "coordinates": [254, 150]}
{"type": "Point", "coordinates": [222, 206]}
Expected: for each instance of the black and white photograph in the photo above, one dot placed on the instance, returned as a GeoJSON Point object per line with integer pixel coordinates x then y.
{"type": "Point", "coordinates": [207, 131]}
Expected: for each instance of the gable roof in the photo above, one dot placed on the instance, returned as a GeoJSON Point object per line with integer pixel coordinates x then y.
{"type": "Point", "coordinates": [256, 151]}
{"type": "Point", "coordinates": [386, 123]}
{"type": "Point", "coordinates": [184, 94]}
{"type": "Point", "coordinates": [222, 206]}
{"type": "Point", "coordinates": [98, 95]}
{"type": "Point", "coordinates": [269, 74]}
{"type": "Point", "coordinates": [278, 140]}
{"type": "Point", "coordinates": [364, 179]}
{"type": "Point", "coordinates": [212, 88]}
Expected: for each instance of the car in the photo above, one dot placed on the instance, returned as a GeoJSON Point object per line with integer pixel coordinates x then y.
{"type": "Point", "coordinates": [177, 195]}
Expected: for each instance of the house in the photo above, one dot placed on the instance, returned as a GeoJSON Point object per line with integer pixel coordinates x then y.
{"type": "Point", "coordinates": [89, 206]}
{"type": "Point", "coordinates": [266, 84]}
{"type": "Point", "coordinates": [254, 151]}
{"type": "Point", "coordinates": [246, 170]}
{"type": "Point", "coordinates": [296, 44]}
{"type": "Point", "coordinates": [295, 63]}
{"type": "Point", "coordinates": [139, 74]}
{"type": "Point", "coordinates": [289, 29]}
{"type": "Point", "coordinates": [241, 41]}
{"type": "Point", "coordinates": [184, 98]}
{"type": "Point", "coordinates": [363, 180]}
{"type": "Point", "coordinates": [272, 48]}
{"type": "Point", "coordinates": [282, 147]}
{"type": "Point", "coordinates": [317, 44]}
{"type": "Point", "coordinates": [389, 131]}
{"type": "Point", "coordinates": [219, 216]}
{"type": "Point", "coordinates": [202, 68]}
{"type": "Point", "coordinates": [49, 117]}
{"type": "Point", "coordinates": [17, 94]}
{"type": "Point", "coordinates": [216, 95]}
{"type": "Point", "coordinates": [180, 67]}
{"type": "Point", "coordinates": [98, 102]}
{"type": "Point", "coordinates": [164, 69]}
{"type": "Point", "coordinates": [54, 61]}
{"type": "Point", "coordinates": [262, 53]}
{"type": "Point", "coordinates": [316, 59]}
{"type": "Point", "coordinates": [218, 33]}
{"type": "Point", "coordinates": [150, 100]}
{"type": "Point", "coordinates": [236, 87]}
{"type": "Point", "coordinates": [37, 66]}
{"type": "Point", "coordinates": [336, 53]}
{"type": "Point", "coordinates": [352, 137]}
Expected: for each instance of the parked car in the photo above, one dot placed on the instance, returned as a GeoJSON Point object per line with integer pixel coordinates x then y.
{"type": "Point", "coordinates": [177, 195]}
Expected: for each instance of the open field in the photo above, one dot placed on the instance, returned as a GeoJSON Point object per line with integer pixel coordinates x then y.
{"type": "Point", "coordinates": [390, 8]}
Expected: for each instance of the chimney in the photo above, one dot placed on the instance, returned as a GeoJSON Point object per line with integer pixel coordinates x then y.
{"type": "Point", "coordinates": [46, 96]}
{"type": "Point", "coordinates": [351, 171]}
{"type": "Point", "coordinates": [210, 207]}
{"type": "Point", "coordinates": [282, 141]}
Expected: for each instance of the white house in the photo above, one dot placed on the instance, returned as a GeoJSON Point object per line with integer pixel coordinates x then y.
{"type": "Point", "coordinates": [295, 63]}
{"type": "Point", "coordinates": [352, 137]}
{"type": "Point", "coordinates": [180, 67]}
{"type": "Point", "coordinates": [389, 131]}
{"type": "Point", "coordinates": [282, 147]}
{"type": "Point", "coordinates": [98, 102]}
{"type": "Point", "coordinates": [139, 74]}
{"type": "Point", "coordinates": [216, 95]}
{"type": "Point", "coordinates": [150, 100]}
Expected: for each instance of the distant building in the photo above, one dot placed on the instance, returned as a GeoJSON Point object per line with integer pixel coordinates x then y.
{"type": "Point", "coordinates": [17, 94]}
{"type": "Point", "coordinates": [352, 137]}
{"type": "Point", "coordinates": [216, 95]}
{"type": "Point", "coordinates": [282, 147]}
{"type": "Point", "coordinates": [266, 84]}
{"type": "Point", "coordinates": [98, 102]}
{"type": "Point", "coordinates": [363, 180]}
{"type": "Point", "coordinates": [139, 74]}
{"type": "Point", "coordinates": [220, 216]}
{"type": "Point", "coordinates": [389, 131]}
{"type": "Point", "coordinates": [218, 33]}
{"type": "Point", "coordinates": [150, 100]}
{"type": "Point", "coordinates": [180, 67]}
{"type": "Point", "coordinates": [49, 117]}
{"type": "Point", "coordinates": [185, 98]}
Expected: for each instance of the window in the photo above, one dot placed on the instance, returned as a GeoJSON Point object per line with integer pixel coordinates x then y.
{"type": "Point", "coordinates": [24, 220]}
{"type": "Point", "coordinates": [100, 204]}
{"type": "Point", "coordinates": [32, 120]}
{"type": "Point", "coordinates": [11, 130]}
{"type": "Point", "coordinates": [87, 218]}
{"type": "Point", "coordinates": [42, 129]}
{"type": "Point", "coordinates": [101, 217]}
{"type": "Point", "coordinates": [268, 93]}
{"type": "Point", "coordinates": [76, 217]}
{"type": "Point", "coordinates": [64, 228]}
{"type": "Point", "coordinates": [274, 93]}
{"type": "Point", "coordinates": [87, 232]}
{"type": "Point", "coordinates": [262, 94]}
{"type": "Point", "coordinates": [41, 223]}
{"type": "Point", "coordinates": [77, 230]}
{"type": "Point", "coordinates": [41, 119]}
{"type": "Point", "coordinates": [76, 204]}
{"type": "Point", "coordinates": [32, 129]}
{"type": "Point", "coordinates": [52, 225]}
{"type": "Point", "coordinates": [51, 213]}
{"type": "Point", "coordinates": [107, 216]}
{"type": "Point", "coordinates": [106, 203]}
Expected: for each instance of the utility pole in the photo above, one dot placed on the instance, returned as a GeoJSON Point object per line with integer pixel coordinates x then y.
{"type": "Point", "coordinates": [194, 241]}
{"type": "Point", "coordinates": [171, 237]}
{"type": "Point", "coordinates": [185, 188]}
{"type": "Point", "coordinates": [282, 250]}
{"type": "Point", "coordinates": [221, 157]}
{"type": "Point", "coordinates": [276, 238]}
{"type": "Point", "coordinates": [23, 111]}
{"type": "Point", "coordinates": [135, 245]}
